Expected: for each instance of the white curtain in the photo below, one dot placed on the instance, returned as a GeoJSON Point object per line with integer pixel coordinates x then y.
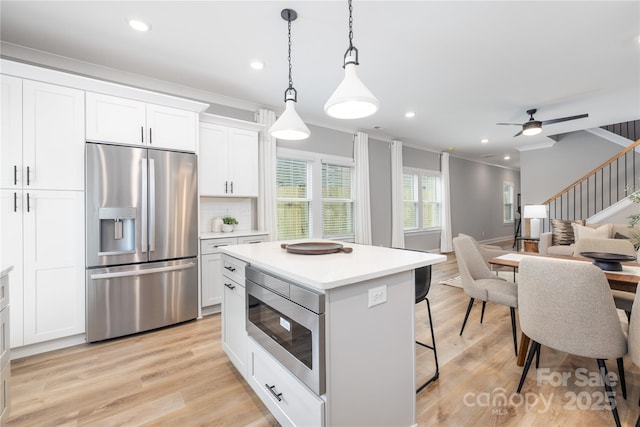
{"type": "Point", "coordinates": [362, 196]}
{"type": "Point", "coordinates": [397, 228]}
{"type": "Point", "coordinates": [267, 204]}
{"type": "Point", "coordinates": [445, 234]}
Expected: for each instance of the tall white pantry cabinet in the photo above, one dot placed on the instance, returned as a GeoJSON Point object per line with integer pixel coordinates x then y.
{"type": "Point", "coordinates": [42, 216]}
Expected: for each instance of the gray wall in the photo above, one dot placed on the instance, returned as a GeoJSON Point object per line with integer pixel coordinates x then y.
{"type": "Point", "coordinates": [476, 199]}
{"type": "Point", "coordinates": [323, 140]}
{"type": "Point", "coordinates": [380, 191]}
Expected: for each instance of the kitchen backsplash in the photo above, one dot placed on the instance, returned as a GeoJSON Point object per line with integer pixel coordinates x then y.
{"type": "Point", "coordinates": [242, 209]}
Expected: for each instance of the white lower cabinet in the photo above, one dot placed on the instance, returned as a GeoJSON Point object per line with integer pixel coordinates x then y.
{"type": "Point", "coordinates": [212, 266]}
{"type": "Point", "coordinates": [234, 334]}
{"type": "Point", "coordinates": [290, 402]}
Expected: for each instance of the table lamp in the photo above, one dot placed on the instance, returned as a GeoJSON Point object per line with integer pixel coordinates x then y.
{"type": "Point", "coordinates": [535, 213]}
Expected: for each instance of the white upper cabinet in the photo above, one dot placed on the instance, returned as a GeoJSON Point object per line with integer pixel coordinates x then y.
{"type": "Point", "coordinates": [42, 136]}
{"type": "Point", "coordinates": [126, 121]}
{"type": "Point", "coordinates": [228, 161]}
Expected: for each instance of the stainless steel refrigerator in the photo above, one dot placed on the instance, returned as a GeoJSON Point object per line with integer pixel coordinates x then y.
{"type": "Point", "coordinates": [141, 239]}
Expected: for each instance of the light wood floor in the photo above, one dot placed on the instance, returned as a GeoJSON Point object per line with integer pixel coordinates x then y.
{"type": "Point", "coordinates": [179, 376]}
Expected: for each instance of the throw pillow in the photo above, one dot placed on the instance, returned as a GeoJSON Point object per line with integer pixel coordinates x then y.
{"type": "Point", "coordinates": [582, 232]}
{"type": "Point", "coordinates": [562, 232]}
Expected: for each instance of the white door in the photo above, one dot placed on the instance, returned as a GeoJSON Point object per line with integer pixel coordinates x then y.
{"type": "Point", "coordinates": [213, 163]}
{"type": "Point", "coordinates": [243, 162]}
{"type": "Point", "coordinates": [11, 132]}
{"type": "Point", "coordinates": [171, 128]}
{"type": "Point", "coordinates": [11, 249]}
{"type": "Point", "coordinates": [211, 279]}
{"type": "Point", "coordinates": [54, 301]}
{"type": "Point", "coordinates": [53, 137]}
{"type": "Point", "coordinates": [113, 119]}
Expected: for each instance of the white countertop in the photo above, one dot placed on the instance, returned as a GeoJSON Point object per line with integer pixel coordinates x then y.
{"type": "Point", "coordinates": [236, 233]}
{"type": "Point", "coordinates": [331, 270]}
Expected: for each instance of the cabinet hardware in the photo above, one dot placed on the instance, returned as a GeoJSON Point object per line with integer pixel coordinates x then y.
{"type": "Point", "coordinates": [231, 269]}
{"type": "Point", "coordinates": [15, 174]}
{"type": "Point", "coordinates": [276, 395]}
{"type": "Point", "coordinates": [231, 187]}
{"type": "Point", "coordinates": [226, 183]}
{"type": "Point", "coordinates": [142, 134]}
{"type": "Point", "coordinates": [15, 201]}
{"type": "Point", "coordinates": [28, 175]}
{"type": "Point", "coordinates": [150, 137]}
{"type": "Point", "coordinates": [28, 203]}
{"type": "Point", "coordinates": [230, 286]}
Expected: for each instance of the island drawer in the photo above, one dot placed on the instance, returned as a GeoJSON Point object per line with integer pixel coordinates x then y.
{"type": "Point", "coordinates": [252, 239]}
{"type": "Point", "coordinates": [287, 398]}
{"type": "Point", "coordinates": [233, 268]}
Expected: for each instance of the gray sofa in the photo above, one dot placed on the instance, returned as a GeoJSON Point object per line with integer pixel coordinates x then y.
{"type": "Point", "coordinates": [546, 246]}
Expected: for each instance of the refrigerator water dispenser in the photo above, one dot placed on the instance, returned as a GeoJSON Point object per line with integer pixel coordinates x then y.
{"type": "Point", "coordinates": [117, 231]}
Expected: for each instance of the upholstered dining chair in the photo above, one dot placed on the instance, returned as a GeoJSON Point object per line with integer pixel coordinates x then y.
{"type": "Point", "coordinates": [567, 305]}
{"type": "Point", "coordinates": [633, 340]}
{"type": "Point", "coordinates": [623, 300]}
{"type": "Point", "coordinates": [480, 283]}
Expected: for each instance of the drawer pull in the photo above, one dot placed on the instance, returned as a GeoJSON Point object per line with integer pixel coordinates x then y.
{"type": "Point", "coordinates": [276, 395]}
{"type": "Point", "coordinates": [231, 269]}
{"type": "Point", "coordinates": [230, 286]}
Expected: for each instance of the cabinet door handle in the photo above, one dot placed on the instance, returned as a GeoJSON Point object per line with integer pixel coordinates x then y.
{"type": "Point", "coordinates": [15, 174]}
{"type": "Point", "coordinates": [28, 203]}
{"type": "Point", "coordinates": [231, 187]}
{"type": "Point", "coordinates": [226, 184]}
{"type": "Point", "coordinates": [142, 134]}
{"type": "Point", "coordinates": [28, 175]}
{"type": "Point", "coordinates": [150, 137]}
{"type": "Point", "coordinates": [15, 201]}
{"type": "Point", "coordinates": [231, 269]}
{"type": "Point", "coordinates": [276, 395]}
{"type": "Point", "coordinates": [230, 286]}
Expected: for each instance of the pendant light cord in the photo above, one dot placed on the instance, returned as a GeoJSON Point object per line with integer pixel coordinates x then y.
{"type": "Point", "coordinates": [289, 57]}
{"type": "Point", "coordinates": [290, 90]}
{"type": "Point", "coordinates": [353, 59]}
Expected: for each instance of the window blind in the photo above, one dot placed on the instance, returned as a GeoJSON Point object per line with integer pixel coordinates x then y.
{"type": "Point", "coordinates": [293, 190]}
{"type": "Point", "coordinates": [337, 201]}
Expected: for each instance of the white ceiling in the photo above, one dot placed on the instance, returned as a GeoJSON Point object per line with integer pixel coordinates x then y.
{"type": "Point", "coordinates": [462, 66]}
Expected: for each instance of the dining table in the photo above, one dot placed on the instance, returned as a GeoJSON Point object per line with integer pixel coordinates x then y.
{"type": "Point", "coordinates": [625, 280]}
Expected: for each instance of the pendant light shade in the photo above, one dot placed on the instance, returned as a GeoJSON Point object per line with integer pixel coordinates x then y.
{"type": "Point", "coordinates": [289, 125]}
{"type": "Point", "coordinates": [352, 99]}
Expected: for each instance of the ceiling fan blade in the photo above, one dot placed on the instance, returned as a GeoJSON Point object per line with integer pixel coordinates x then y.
{"type": "Point", "coordinates": [517, 134]}
{"type": "Point", "coordinates": [510, 124]}
{"type": "Point", "coordinates": [564, 119]}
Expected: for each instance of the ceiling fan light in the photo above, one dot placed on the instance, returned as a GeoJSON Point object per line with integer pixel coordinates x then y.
{"type": "Point", "coordinates": [289, 125]}
{"type": "Point", "coordinates": [532, 127]}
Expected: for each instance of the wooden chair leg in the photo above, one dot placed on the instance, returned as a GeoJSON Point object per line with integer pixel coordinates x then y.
{"type": "Point", "coordinates": [532, 350]}
{"type": "Point", "coordinates": [466, 316]}
{"type": "Point", "coordinates": [607, 388]}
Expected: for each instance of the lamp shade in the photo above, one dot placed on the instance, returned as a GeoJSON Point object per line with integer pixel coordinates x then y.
{"type": "Point", "coordinates": [532, 127]}
{"type": "Point", "coordinates": [351, 99]}
{"type": "Point", "coordinates": [535, 211]}
{"type": "Point", "coordinates": [289, 125]}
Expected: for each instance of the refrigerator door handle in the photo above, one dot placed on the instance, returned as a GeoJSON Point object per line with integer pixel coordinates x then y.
{"type": "Point", "coordinates": [98, 276]}
{"type": "Point", "coordinates": [152, 205]}
{"type": "Point", "coordinates": [143, 210]}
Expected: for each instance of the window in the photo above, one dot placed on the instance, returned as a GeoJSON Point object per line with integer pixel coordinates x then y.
{"type": "Point", "coordinates": [421, 196]}
{"type": "Point", "coordinates": [314, 196]}
{"type": "Point", "coordinates": [507, 197]}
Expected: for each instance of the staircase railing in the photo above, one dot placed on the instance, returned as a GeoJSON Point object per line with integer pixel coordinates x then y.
{"type": "Point", "coordinates": [603, 186]}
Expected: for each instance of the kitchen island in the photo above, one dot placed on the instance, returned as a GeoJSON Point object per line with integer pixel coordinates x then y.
{"type": "Point", "coordinates": [368, 345]}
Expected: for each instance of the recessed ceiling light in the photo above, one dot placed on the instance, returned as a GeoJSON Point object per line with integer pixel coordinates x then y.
{"type": "Point", "coordinates": [138, 25]}
{"type": "Point", "coordinates": [484, 140]}
{"type": "Point", "coordinates": [507, 157]}
{"type": "Point", "coordinates": [410, 114]}
{"type": "Point", "coordinates": [257, 65]}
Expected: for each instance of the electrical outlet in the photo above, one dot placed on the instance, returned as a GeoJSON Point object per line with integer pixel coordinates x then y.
{"type": "Point", "coordinates": [377, 295]}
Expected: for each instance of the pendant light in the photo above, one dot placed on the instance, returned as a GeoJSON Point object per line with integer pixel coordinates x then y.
{"type": "Point", "coordinates": [352, 99]}
{"type": "Point", "coordinates": [289, 125]}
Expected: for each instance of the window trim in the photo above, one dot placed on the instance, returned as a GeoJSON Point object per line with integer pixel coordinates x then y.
{"type": "Point", "coordinates": [316, 200]}
{"type": "Point", "coordinates": [513, 193]}
{"type": "Point", "coordinates": [408, 170]}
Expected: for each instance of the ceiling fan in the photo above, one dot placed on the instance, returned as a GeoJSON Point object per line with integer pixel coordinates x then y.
{"type": "Point", "coordinates": [534, 127]}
